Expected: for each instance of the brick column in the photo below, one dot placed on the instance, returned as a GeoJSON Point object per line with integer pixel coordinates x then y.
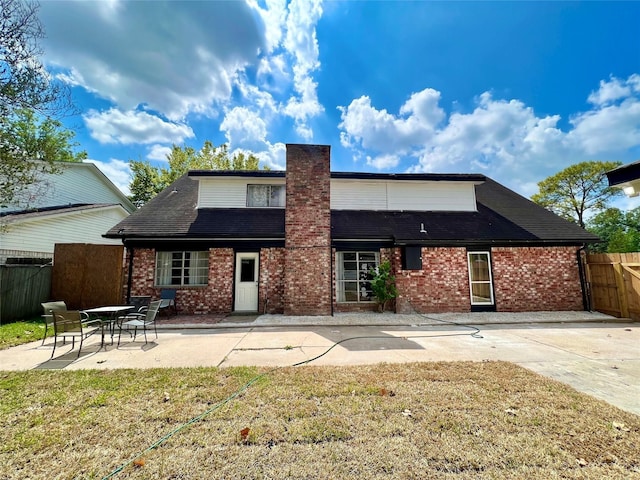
{"type": "Point", "coordinates": [307, 276]}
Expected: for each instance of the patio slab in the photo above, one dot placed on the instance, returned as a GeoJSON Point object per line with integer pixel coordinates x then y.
{"type": "Point", "coordinates": [598, 358]}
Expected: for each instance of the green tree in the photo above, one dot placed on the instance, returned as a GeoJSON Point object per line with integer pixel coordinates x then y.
{"type": "Point", "coordinates": [24, 82]}
{"type": "Point", "coordinates": [147, 181]}
{"type": "Point", "coordinates": [577, 189]}
{"type": "Point", "coordinates": [620, 231]}
{"type": "Point", "coordinates": [30, 146]}
{"type": "Point", "coordinates": [30, 139]}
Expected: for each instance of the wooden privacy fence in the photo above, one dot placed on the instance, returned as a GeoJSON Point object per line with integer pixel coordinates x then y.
{"type": "Point", "coordinates": [87, 275]}
{"type": "Point", "coordinates": [22, 289]}
{"type": "Point", "coordinates": [615, 283]}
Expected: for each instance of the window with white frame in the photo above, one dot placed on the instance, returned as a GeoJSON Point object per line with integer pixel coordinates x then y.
{"type": "Point", "coordinates": [480, 280]}
{"type": "Point", "coordinates": [353, 277]}
{"type": "Point", "coordinates": [265, 195]}
{"type": "Point", "coordinates": [182, 268]}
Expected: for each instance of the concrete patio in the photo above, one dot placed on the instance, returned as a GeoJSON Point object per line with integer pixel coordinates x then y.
{"type": "Point", "coordinates": [594, 353]}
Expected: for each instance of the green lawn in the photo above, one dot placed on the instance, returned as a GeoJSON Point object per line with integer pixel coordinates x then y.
{"type": "Point", "coordinates": [421, 420]}
{"type": "Point", "coordinates": [17, 333]}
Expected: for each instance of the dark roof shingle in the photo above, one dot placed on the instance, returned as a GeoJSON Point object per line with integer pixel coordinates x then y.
{"type": "Point", "coordinates": [503, 217]}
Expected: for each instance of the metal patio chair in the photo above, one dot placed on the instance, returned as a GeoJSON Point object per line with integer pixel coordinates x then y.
{"type": "Point", "coordinates": [71, 323]}
{"type": "Point", "coordinates": [48, 317]}
{"type": "Point", "coordinates": [140, 302]}
{"type": "Point", "coordinates": [139, 320]}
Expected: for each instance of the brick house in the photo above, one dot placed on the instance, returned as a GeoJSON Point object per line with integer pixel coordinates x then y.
{"type": "Point", "coordinates": [301, 242]}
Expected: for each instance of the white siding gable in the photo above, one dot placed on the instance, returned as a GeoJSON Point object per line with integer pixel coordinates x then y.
{"type": "Point", "coordinates": [352, 194]}
{"type": "Point", "coordinates": [40, 234]}
{"type": "Point", "coordinates": [78, 183]}
{"type": "Point", "coordinates": [229, 192]}
{"type": "Point", "coordinates": [403, 195]}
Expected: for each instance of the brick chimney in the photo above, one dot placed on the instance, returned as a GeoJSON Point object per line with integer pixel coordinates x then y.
{"type": "Point", "coordinates": [307, 276]}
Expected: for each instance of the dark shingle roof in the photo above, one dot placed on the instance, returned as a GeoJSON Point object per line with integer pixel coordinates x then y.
{"type": "Point", "coordinates": [502, 217]}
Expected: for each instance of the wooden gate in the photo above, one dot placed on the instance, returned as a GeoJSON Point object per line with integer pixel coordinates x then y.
{"type": "Point", "coordinates": [615, 283]}
{"type": "Point", "coordinates": [87, 275]}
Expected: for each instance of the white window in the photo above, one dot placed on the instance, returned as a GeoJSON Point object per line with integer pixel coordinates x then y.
{"type": "Point", "coordinates": [480, 281]}
{"type": "Point", "coordinates": [182, 268]}
{"type": "Point", "coordinates": [265, 195]}
{"type": "Point", "coordinates": [353, 276]}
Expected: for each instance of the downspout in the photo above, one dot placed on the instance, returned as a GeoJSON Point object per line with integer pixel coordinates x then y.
{"type": "Point", "coordinates": [586, 304]}
{"type": "Point", "coordinates": [331, 281]}
{"type": "Point", "coordinates": [131, 252]}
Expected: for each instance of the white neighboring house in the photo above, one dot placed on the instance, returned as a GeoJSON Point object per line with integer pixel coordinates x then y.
{"type": "Point", "coordinates": [78, 205]}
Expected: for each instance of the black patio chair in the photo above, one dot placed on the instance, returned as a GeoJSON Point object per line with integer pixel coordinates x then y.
{"type": "Point", "coordinates": [140, 302]}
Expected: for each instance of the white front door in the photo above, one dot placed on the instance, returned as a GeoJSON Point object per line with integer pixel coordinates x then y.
{"type": "Point", "coordinates": [247, 282]}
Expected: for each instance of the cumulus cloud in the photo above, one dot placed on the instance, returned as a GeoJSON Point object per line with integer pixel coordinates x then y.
{"type": "Point", "coordinates": [613, 90]}
{"type": "Point", "coordinates": [243, 128]}
{"type": "Point", "coordinates": [183, 60]}
{"type": "Point", "coordinates": [115, 126]}
{"type": "Point", "coordinates": [174, 57]}
{"type": "Point", "coordinates": [158, 152]}
{"type": "Point", "coordinates": [379, 130]}
{"type": "Point", "coordinates": [614, 123]}
{"type": "Point", "coordinates": [301, 42]}
{"type": "Point", "coordinates": [501, 138]}
{"type": "Point", "coordinates": [383, 162]}
{"type": "Point", "coordinates": [294, 52]}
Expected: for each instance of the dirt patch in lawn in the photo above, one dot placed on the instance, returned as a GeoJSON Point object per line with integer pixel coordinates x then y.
{"type": "Point", "coordinates": [421, 420]}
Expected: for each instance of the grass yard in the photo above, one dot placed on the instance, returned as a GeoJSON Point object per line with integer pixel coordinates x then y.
{"type": "Point", "coordinates": [411, 421]}
{"type": "Point", "coordinates": [17, 333]}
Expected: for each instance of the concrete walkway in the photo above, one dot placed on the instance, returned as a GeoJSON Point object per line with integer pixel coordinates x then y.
{"type": "Point", "coordinates": [594, 353]}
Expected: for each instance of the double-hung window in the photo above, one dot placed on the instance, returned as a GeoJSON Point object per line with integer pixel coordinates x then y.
{"type": "Point", "coordinates": [182, 268]}
{"type": "Point", "coordinates": [265, 195]}
{"type": "Point", "coordinates": [353, 277]}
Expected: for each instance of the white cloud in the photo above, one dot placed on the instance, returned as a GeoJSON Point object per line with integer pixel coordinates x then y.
{"type": "Point", "coordinates": [294, 52]}
{"type": "Point", "coordinates": [504, 139]}
{"type": "Point", "coordinates": [275, 156]}
{"type": "Point", "coordinates": [301, 42]}
{"type": "Point", "coordinates": [609, 92]}
{"type": "Point", "coordinates": [274, 17]}
{"type": "Point", "coordinates": [383, 162]}
{"type": "Point", "coordinates": [381, 131]}
{"type": "Point", "coordinates": [115, 126]}
{"type": "Point", "coordinates": [174, 57]}
{"type": "Point", "coordinates": [614, 123]}
{"type": "Point", "coordinates": [243, 128]}
{"type": "Point", "coordinates": [158, 152]}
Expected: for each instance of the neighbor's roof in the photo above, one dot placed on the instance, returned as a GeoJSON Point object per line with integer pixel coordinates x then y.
{"type": "Point", "coordinates": [35, 213]}
{"type": "Point", "coordinates": [503, 217]}
{"type": "Point", "coordinates": [624, 173]}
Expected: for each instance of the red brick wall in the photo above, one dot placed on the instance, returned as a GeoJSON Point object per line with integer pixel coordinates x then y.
{"type": "Point", "coordinates": [536, 279]}
{"type": "Point", "coordinates": [271, 298]}
{"type": "Point", "coordinates": [216, 297]}
{"type": "Point", "coordinates": [441, 286]}
{"type": "Point", "coordinates": [307, 277]}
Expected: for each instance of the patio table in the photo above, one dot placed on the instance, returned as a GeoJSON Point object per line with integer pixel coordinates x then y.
{"type": "Point", "coordinates": [108, 316]}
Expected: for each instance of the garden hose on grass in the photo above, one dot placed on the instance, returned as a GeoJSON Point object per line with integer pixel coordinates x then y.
{"type": "Point", "coordinates": [241, 390]}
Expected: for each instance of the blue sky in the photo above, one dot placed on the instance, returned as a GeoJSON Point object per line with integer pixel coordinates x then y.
{"type": "Point", "coordinates": [513, 90]}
